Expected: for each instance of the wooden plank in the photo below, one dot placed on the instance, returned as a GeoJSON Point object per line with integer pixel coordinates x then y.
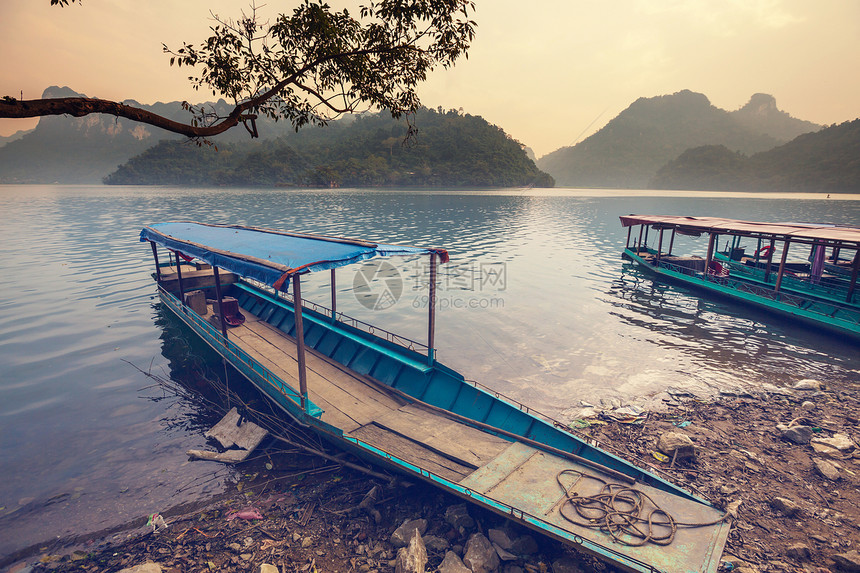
{"type": "Point", "coordinates": [411, 452]}
{"type": "Point", "coordinates": [347, 401]}
{"type": "Point", "coordinates": [229, 432]}
{"type": "Point", "coordinates": [470, 446]}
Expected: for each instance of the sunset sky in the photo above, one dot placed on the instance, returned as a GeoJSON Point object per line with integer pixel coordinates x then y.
{"type": "Point", "coordinates": [549, 72]}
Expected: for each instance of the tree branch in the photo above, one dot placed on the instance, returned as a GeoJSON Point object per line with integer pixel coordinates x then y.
{"type": "Point", "coordinates": [81, 106]}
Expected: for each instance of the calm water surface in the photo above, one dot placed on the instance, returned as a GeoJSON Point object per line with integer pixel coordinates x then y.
{"type": "Point", "coordinates": [536, 303]}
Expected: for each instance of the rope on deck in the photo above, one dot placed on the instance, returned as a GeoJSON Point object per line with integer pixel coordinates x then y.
{"type": "Point", "coordinates": [630, 516]}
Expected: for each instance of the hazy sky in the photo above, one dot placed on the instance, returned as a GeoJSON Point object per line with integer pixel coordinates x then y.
{"type": "Point", "coordinates": [549, 72]}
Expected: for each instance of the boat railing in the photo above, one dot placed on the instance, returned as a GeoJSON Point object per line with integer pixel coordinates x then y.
{"type": "Point", "coordinates": [821, 289]}
{"type": "Point", "coordinates": [389, 336]}
{"type": "Point", "coordinates": [215, 338]}
{"type": "Point", "coordinates": [795, 297]}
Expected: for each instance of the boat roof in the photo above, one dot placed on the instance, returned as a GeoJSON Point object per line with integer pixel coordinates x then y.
{"type": "Point", "coordinates": [267, 255]}
{"type": "Point", "coordinates": [804, 232]}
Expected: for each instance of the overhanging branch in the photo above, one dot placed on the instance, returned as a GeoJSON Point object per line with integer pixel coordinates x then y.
{"type": "Point", "coordinates": [81, 106]}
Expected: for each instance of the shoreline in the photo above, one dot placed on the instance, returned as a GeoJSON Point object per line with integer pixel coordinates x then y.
{"type": "Point", "coordinates": [794, 513]}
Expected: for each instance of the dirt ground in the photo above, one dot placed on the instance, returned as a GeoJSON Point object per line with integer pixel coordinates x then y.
{"type": "Point", "coordinates": [791, 516]}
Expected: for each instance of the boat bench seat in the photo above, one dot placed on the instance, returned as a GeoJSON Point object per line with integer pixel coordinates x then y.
{"type": "Point", "coordinates": [361, 354]}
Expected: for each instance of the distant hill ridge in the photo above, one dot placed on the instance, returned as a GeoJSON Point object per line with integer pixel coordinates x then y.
{"type": "Point", "coordinates": [827, 161]}
{"type": "Point", "coordinates": [85, 149]}
{"type": "Point", "coordinates": [628, 151]}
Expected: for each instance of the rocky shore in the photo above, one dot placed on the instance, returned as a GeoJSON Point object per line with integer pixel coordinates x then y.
{"type": "Point", "coordinates": [784, 460]}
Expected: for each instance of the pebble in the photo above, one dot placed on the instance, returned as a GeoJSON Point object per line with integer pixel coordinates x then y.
{"type": "Point", "coordinates": [785, 506]}
{"type": "Point", "coordinates": [798, 434]}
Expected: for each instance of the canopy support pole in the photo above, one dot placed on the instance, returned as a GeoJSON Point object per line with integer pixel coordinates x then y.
{"type": "Point", "coordinates": [639, 243]}
{"type": "Point", "coordinates": [711, 239]}
{"type": "Point", "coordinates": [671, 241]}
{"type": "Point", "coordinates": [629, 230]}
{"type": "Point", "coordinates": [431, 326]}
{"type": "Point", "coordinates": [155, 256]}
{"type": "Point", "coordinates": [769, 260]}
{"type": "Point", "coordinates": [220, 301]}
{"type": "Point", "coordinates": [300, 341]}
{"type": "Point", "coordinates": [179, 276]}
{"type": "Point", "coordinates": [659, 246]}
{"type": "Point", "coordinates": [854, 271]}
{"type": "Point", "coordinates": [781, 271]}
{"type": "Point", "coordinates": [333, 297]}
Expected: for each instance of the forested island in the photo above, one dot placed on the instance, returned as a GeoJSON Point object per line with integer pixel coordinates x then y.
{"type": "Point", "coordinates": [450, 149]}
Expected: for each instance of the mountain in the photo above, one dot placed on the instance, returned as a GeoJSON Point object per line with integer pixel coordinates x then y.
{"type": "Point", "coordinates": [827, 161]}
{"type": "Point", "coordinates": [628, 151]}
{"type": "Point", "coordinates": [450, 149]}
{"type": "Point", "coordinates": [4, 139]}
{"type": "Point", "coordinates": [84, 150]}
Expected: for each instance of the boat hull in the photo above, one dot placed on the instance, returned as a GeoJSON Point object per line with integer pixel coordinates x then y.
{"type": "Point", "coordinates": [761, 296]}
{"type": "Point", "coordinates": [522, 440]}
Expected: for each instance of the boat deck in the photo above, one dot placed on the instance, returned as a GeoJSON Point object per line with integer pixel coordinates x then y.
{"type": "Point", "coordinates": [511, 473]}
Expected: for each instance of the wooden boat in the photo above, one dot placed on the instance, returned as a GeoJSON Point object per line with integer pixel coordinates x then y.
{"type": "Point", "coordinates": [807, 288]}
{"type": "Point", "coordinates": [387, 399]}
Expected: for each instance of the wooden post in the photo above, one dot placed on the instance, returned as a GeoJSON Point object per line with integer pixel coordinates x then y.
{"type": "Point", "coordinates": [300, 340]}
{"type": "Point", "coordinates": [639, 242]}
{"type": "Point", "coordinates": [629, 230]}
{"type": "Point", "coordinates": [155, 256]}
{"type": "Point", "coordinates": [333, 297]}
{"type": "Point", "coordinates": [179, 276]}
{"type": "Point", "coordinates": [711, 238]}
{"type": "Point", "coordinates": [659, 246]}
{"type": "Point", "coordinates": [781, 266]}
{"type": "Point", "coordinates": [671, 241]}
{"type": "Point", "coordinates": [431, 326]}
{"type": "Point", "coordinates": [220, 299]}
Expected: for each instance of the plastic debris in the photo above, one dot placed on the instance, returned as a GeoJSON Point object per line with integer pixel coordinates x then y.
{"type": "Point", "coordinates": [247, 513]}
{"type": "Point", "coordinates": [660, 457]}
{"type": "Point", "coordinates": [683, 424]}
{"type": "Point", "coordinates": [156, 521]}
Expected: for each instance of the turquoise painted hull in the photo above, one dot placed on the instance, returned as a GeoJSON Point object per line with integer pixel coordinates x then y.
{"type": "Point", "coordinates": [411, 373]}
{"type": "Point", "coordinates": [821, 307]}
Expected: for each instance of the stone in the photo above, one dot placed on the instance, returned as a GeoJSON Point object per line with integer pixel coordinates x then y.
{"type": "Point", "coordinates": [827, 469]}
{"type": "Point", "coordinates": [413, 557]}
{"type": "Point", "coordinates": [402, 535]}
{"type": "Point", "coordinates": [524, 545]}
{"type": "Point", "coordinates": [566, 565]}
{"type": "Point", "coordinates": [504, 555]}
{"type": "Point", "coordinates": [797, 434]}
{"type": "Point", "coordinates": [849, 561]}
{"type": "Point", "coordinates": [148, 567]}
{"type": "Point", "coordinates": [500, 537]}
{"type": "Point", "coordinates": [307, 542]}
{"type": "Point", "coordinates": [807, 405]}
{"type": "Point", "coordinates": [436, 544]}
{"type": "Point", "coordinates": [481, 556]}
{"type": "Point", "coordinates": [452, 564]}
{"type": "Point", "coordinates": [808, 385]}
{"type": "Point", "coordinates": [458, 516]}
{"type": "Point", "coordinates": [799, 551]}
{"type": "Point", "coordinates": [785, 506]}
{"type": "Point", "coordinates": [839, 442]}
{"type": "Point", "coordinates": [675, 444]}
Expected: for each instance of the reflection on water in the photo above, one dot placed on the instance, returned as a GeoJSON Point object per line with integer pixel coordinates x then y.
{"type": "Point", "coordinates": [536, 303]}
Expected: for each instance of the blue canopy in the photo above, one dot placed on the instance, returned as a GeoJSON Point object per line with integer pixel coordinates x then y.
{"type": "Point", "coordinates": [266, 255]}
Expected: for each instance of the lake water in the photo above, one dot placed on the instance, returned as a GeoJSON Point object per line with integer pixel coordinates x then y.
{"type": "Point", "coordinates": [536, 303]}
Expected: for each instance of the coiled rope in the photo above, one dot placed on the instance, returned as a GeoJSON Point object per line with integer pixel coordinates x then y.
{"type": "Point", "coordinates": [630, 516]}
